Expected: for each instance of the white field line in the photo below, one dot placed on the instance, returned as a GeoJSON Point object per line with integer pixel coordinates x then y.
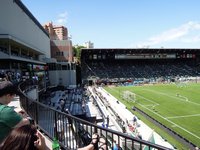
{"type": "Point", "coordinates": [147, 99]}
{"type": "Point", "coordinates": [167, 118]}
{"type": "Point", "coordinates": [153, 105]}
{"type": "Point", "coordinates": [183, 116]}
{"type": "Point", "coordinates": [170, 121]}
{"type": "Point", "coordinates": [186, 99]}
{"type": "Point", "coordinates": [173, 126]}
{"type": "Point", "coordinates": [176, 97]}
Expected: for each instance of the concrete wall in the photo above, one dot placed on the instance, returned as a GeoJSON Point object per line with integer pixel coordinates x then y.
{"type": "Point", "coordinates": [15, 22]}
{"type": "Point", "coordinates": [63, 46]}
{"type": "Point", "coordinates": [63, 77]}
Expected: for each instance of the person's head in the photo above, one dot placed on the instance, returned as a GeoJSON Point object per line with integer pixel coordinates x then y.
{"type": "Point", "coordinates": [7, 92]}
{"type": "Point", "coordinates": [21, 138]}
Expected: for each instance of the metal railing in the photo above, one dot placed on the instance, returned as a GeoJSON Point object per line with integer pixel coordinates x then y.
{"type": "Point", "coordinates": [75, 132]}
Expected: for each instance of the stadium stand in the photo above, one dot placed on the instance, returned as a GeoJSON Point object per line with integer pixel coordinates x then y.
{"type": "Point", "coordinates": [133, 65]}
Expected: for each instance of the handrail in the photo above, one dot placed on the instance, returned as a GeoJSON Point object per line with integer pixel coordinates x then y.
{"type": "Point", "coordinates": [77, 132]}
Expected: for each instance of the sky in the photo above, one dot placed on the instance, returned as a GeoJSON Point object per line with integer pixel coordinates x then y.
{"type": "Point", "coordinates": [124, 23]}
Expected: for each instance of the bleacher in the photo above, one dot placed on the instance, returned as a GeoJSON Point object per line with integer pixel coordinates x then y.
{"type": "Point", "coordinates": [77, 131]}
{"type": "Point", "coordinates": [140, 69]}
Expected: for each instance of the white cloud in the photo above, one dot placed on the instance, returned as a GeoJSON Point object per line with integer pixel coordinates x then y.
{"type": "Point", "coordinates": [62, 18]}
{"type": "Point", "coordinates": [191, 39]}
{"type": "Point", "coordinates": [179, 34]}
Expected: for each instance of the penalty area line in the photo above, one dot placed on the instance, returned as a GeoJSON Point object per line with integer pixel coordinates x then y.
{"type": "Point", "coordinates": [174, 117]}
{"type": "Point", "coordinates": [180, 127]}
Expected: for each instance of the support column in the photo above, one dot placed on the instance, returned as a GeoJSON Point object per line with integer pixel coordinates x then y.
{"type": "Point", "coordinates": [9, 48]}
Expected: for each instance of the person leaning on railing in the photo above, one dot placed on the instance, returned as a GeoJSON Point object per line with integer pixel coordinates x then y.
{"type": "Point", "coordinates": [97, 143]}
{"type": "Point", "coordinates": [9, 118]}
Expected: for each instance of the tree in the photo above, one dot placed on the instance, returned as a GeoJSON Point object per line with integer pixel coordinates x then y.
{"type": "Point", "coordinates": [77, 51]}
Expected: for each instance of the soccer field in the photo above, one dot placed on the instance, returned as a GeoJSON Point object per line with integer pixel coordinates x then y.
{"type": "Point", "coordinates": [176, 106]}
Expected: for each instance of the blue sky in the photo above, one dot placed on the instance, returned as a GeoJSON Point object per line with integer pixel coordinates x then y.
{"type": "Point", "coordinates": [124, 23]}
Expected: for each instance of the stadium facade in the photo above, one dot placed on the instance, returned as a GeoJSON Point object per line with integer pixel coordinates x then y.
{"type": "Point", "coordinates": [25, 47]}
{"type": "Point", "coordinates": [24, 44]}
{"type": "Point", "coordinates": [139, 65]}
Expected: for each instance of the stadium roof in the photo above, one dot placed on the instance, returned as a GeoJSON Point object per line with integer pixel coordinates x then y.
{"type": "Point", "coordinates": [139, 50]}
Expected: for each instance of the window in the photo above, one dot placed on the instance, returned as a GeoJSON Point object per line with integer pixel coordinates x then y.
{"type": "Point", "coordinates": [59, 53]}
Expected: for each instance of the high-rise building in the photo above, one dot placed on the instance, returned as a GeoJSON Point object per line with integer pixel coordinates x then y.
{"type": "Point", "coordinates": [89, 44]}
{"type": "Point", "coordinates": [61, 45]}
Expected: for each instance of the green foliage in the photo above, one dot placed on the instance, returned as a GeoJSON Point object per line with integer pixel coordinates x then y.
{"type": "Point", "coordinates": [77, 51]}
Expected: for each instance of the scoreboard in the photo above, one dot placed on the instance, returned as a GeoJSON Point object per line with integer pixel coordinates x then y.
{"type": "Point", "coordinates": [153, 56]}
{"type": "Point", "coordinates": [145, 56]}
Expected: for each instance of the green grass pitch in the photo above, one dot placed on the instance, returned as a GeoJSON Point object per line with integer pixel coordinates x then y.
{"type": "Point", "coordinates": [178, 107]}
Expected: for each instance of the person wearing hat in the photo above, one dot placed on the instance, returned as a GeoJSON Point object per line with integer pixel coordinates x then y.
{"type": "Point", "coordinates": [9, 118]}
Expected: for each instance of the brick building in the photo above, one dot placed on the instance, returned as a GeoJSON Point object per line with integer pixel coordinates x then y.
{"type": "Point", "coordinates": [61, 45]}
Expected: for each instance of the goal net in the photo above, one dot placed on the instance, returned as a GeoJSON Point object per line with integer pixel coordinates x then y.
{"type": "Point", "coordinates": [129, 96]}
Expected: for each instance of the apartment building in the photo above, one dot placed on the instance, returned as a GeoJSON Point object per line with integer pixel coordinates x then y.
{"type": "Point", "coordinates": [61, 45]}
